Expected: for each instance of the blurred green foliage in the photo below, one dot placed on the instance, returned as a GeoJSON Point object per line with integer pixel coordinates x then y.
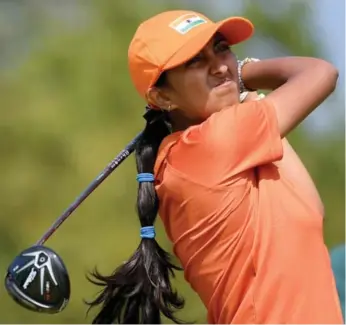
{"type": "Point", "coordinates": [68, 108]}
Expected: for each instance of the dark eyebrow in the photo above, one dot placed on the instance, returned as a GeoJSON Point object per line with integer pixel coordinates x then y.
{"type": "Point", "coordinates": [218, 37]}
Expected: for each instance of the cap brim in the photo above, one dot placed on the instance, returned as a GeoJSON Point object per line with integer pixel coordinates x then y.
{"type": "Point", "coordinates": [234, 29]}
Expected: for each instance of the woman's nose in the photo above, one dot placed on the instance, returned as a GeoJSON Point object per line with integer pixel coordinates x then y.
{"type": "Point", "coordinates": [223, 68]}
{"type": "Point", "coordinates": [218, 67]}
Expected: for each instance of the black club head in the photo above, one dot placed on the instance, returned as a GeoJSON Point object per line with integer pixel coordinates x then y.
{"type": "Point", "coordinates": [38, 280]}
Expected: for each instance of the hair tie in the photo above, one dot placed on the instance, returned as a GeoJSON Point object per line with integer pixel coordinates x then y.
{"type": "Point", "coordinates": [145, 177]}
{"type": "Point", "coordinates": [148, 232]}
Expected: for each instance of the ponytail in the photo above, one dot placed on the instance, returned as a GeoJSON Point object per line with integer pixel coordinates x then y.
{"type": "Point", "coordinates": [140, 290]}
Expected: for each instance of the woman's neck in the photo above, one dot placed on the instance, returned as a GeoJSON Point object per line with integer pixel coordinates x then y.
{"type": "Point", "coordinates": [180, 122]}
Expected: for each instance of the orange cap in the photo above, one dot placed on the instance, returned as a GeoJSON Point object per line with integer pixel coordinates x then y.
{"type": "Point", "coordinates": [174, 37]}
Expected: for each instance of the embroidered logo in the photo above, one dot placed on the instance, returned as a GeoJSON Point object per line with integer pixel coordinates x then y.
{"type": "Point", "coordinates": [185, 23]}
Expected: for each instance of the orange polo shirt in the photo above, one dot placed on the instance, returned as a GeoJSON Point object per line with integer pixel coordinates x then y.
{"type": "Point", "coordinates": [249, 239]}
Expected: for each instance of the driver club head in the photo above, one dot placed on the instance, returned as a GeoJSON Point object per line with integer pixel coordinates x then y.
{"type": "Point", "coordinates": [38, 280]}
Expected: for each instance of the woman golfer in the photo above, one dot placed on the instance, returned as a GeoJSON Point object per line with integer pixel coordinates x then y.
{"type": "Point", "coordinates": [242, 213]}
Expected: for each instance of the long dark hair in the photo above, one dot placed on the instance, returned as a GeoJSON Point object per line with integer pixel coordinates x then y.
{"type": "Point", "coordinates": [138, 291]}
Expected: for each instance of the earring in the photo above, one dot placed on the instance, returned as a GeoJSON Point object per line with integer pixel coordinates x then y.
{"type": "Point", "coordinates": [169, 108]}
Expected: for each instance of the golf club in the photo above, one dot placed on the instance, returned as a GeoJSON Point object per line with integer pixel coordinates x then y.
{"type": "Point", "coordinates": [37, 279]}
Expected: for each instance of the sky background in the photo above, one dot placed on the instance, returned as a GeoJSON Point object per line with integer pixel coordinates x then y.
{"type": "Point", "coordinates": [330, 23]}
{"type": "Point", "coordinates": [329, 19]}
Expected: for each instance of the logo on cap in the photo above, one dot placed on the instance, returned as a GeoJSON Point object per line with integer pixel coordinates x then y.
{"type": "Point", "coordinates": [185, 23]}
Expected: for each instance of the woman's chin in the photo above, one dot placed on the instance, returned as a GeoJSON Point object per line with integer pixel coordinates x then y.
{"type": "Point", "coordinates": [227, 92]}
{"type": "Point", "coordinates": [229, 100]}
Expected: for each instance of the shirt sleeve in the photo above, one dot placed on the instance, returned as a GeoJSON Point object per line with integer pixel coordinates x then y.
{"type": "Point", "coordinates": [229, 142]}
{"type": "Point", "coordinates": [243, 136]}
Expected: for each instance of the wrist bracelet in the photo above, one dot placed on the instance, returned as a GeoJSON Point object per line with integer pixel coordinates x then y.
{"type": "Point", "coordinates": [241, 64]}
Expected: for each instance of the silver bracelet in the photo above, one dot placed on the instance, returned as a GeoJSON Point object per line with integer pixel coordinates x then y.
{"type": "Point", "coordinates": [241, 64]}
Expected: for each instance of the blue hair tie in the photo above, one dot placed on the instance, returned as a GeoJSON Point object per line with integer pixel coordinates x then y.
{"type": "Point", "coordinates": [148, 232]}
{"type": "Point", "coordinates": [145, 177]}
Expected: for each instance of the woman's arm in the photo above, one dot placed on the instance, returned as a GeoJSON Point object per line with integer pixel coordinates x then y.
{"type": "Point", "coordinates": [299, 85]}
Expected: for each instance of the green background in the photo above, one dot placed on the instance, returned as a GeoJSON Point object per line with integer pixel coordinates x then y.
{"type": "Point", "coordinates": [68, 107]}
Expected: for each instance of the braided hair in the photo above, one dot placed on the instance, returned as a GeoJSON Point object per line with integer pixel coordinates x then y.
{"type": "Point", "coordinates": [140, 290]}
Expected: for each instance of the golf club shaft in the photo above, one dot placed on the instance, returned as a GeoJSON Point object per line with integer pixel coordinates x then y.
{"type": "Point", "coordinates": [93, 185]}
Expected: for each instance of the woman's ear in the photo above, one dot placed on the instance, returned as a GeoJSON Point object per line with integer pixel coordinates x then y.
{"type": "Point", "coordinates": [157, 97]}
